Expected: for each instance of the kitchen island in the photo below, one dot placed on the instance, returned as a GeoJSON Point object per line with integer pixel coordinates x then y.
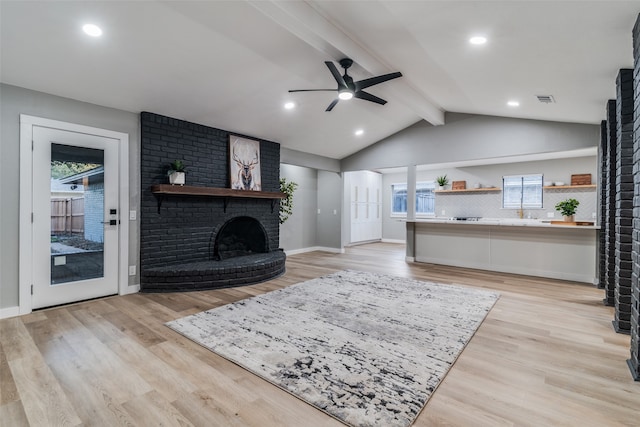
{"type": "Point", "coordinates": [519, 246]}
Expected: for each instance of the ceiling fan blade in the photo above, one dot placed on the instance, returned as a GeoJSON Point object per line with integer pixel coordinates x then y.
{"type": "Point", "coordinates": [313, 90]}
{"type": "Point", "coordinates": [368, 97]}
{"type": "Point", "coordinates": [336, 74]}
{"type": "Point", "coordinates": [363, 84]}
{"type": "Point", "coordinates": [333, 104]}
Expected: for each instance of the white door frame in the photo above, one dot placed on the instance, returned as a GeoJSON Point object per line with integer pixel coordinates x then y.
{"type": "Point", "coordinates": [26, 200]}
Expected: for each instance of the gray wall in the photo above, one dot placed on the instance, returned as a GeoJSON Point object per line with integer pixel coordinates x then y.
{"type": "Point", "coordinates": [16, 101]}
{"type": "Point", "coordinates": [472, 137]}
{"type": "Point", "coordinates": [299, 231]}
{"type": "Point", "coordinates": [329, 203]}
{"type": "Point", "coordinates": [300, 158]}
{"type": "Point", "coordinates": [490, 204]}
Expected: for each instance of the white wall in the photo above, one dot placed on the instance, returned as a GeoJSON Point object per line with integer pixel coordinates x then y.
{"type": "Point", "coordinates": [490, 204]}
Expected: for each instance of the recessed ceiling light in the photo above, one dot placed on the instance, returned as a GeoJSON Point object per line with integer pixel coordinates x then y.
{"type": "Point", "coordinates": [513, 104]}
{"type": "Point", "coordinates": [478, 40]}
{"type": "Point", "coordinates": [92, 30]}
{"type": "Point", "coordinates": [359, 132]}
{"type": "Point", "coordinates": [289, 105]}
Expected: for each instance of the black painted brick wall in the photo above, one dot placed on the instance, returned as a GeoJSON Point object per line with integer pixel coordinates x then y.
{"type": "Point", "coordinates": [624, 200]}
{"type": "Point", "coordinates": [602, 196]}
{"type": "Point", "coordinates": [609, 223]}
{"type": "Point", "coordinates": [634, 360]}
{"type": "Point", "coordinates": [184, 228]}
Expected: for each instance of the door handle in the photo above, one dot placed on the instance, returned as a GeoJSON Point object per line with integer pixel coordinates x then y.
{"type": "Point", "coordinates": [111, 222]}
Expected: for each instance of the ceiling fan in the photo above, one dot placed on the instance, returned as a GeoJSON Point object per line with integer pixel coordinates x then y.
{"type": "Point", "coordinates": [347, 88]}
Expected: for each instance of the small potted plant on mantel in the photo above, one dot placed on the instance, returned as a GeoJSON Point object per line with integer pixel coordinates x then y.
{"type": "Point", "coordinates": [568, 209]}
{"type": "Point", "coordinates": [442, 181]}
{"type": "Point", "coordinates": [176, 172]}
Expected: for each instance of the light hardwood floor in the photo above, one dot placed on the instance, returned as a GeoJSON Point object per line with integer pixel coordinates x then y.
{"type": "Point", "coordinates": [546, 355]}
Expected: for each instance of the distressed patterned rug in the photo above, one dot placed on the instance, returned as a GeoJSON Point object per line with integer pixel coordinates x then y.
{"type": "Point", "coordinates": [367, 348]}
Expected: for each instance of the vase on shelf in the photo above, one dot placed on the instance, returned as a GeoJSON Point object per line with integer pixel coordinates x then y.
{"type": "Point", "coordinates": [176, 178]}
{"type": "Point", "coordinates": [569, 218]}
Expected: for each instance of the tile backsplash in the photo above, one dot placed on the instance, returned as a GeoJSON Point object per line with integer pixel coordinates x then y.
{"type": "Point", "coordinates": [489, 204]}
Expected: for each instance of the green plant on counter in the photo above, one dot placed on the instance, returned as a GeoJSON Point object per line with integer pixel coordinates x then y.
{"type": "Point", "coordinates": [567, 207]}
{"type": "Point", "coordinates": [286, 204]}
{"type": "Point", "coordinates": [442, 180]}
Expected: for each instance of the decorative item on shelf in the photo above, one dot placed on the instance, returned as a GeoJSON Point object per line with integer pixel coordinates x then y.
{"type": "Point", "coordinates": [559, 183]}
{"type": "Point", "coordinates": [568, 209]}
{"type": "Point", "coordinates": [581, 179]}
{"type": "Point", "coordinates": [548, 184]}
{"type": "Point", "coordinates": [286, 204]}
{"type": "Point", "coordinates": [477, 185]}
{"type": "Point", "coordinates": [442, 181]}
{"type": "Point", "coordinates": [176, 172]}
{"type": "Point", "coordinates": [459, 185]}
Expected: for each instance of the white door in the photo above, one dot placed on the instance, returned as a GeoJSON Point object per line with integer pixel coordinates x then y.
{"type": "Point", "coordinates": [75, 216]}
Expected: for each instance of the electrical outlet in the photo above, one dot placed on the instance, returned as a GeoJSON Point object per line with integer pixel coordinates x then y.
{"type": "Point", "coordinates": [318, 211]}
{"type": "Point", "coordinates": [132, 270]}
{"type": "Point", "coordinates": [443, 213]}
{"type": "Point", "coordinates": [593, 215]}
{"type": "Point", "coordinates": [550, 215]}
{"type": "Point", "coordinates": [335, 212]}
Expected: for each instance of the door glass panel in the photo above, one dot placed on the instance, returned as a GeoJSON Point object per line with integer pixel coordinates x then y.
{"type": "Point", "coordinates": [77, 213]}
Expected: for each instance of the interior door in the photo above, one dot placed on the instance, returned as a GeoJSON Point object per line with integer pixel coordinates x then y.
{"type": "Point", "coordinates": [75, 216]}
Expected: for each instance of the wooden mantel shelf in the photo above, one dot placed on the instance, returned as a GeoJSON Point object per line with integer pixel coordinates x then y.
{"type": "Point", "coordinates": [163, 190]}
{"type": "Point", "coordinates": [189, 190]}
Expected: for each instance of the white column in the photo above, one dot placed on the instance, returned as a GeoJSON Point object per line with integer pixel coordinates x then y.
{"type": "Point", "coordinates": [411, 193]}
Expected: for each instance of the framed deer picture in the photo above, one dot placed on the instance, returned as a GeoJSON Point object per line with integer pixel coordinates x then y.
{"type": "Point", "coordinates": [244, 163]}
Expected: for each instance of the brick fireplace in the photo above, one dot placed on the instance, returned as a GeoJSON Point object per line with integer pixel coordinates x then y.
{"type": "Point", "coordinates": [201, 239]}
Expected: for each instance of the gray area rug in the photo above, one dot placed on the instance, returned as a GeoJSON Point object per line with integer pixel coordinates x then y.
{"type": "Point", "coordinates": [366, 348]}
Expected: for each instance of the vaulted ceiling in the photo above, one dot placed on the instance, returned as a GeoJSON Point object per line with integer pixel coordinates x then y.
{"type": "Point", "coordinates": [230, 64]}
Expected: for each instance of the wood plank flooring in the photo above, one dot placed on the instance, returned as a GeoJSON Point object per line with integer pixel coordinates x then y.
{"type": "Point", "coordinates": [546, 355]}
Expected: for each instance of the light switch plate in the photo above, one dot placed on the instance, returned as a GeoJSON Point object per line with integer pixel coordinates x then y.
{"type": "Point", "coordinates": [133, 215]}
{"type": "Point", "coordinates": [550, 215]}
{"type": "Point", "coordinates": [132, 270]}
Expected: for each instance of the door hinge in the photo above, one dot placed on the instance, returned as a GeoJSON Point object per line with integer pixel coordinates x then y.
{"type": "Point", "coordinates": [31, 289]}
{"type": "Point", "coordinates": [32, 145]}
{"type": "Point", "coordinates": [31, 217]}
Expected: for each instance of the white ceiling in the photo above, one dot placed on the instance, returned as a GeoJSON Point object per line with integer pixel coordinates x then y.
{"type": "Point", "coordinates": [229, 64]}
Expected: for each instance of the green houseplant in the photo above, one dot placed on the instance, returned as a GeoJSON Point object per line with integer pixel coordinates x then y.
{"type": "Point", "coordinates": [568, 208]}
{"type": "Point", "coordinates": [286, 204]}
{"type": "Point", "coordinates": [442, 181]}
{"type": "Point", "coordinates": [176, 172]}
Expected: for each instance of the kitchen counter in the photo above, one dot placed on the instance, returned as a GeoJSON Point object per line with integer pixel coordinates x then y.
{"type": "Point", "coordinates": [506, 222]}
{"type": "Point", "coordinates": [520, 246]}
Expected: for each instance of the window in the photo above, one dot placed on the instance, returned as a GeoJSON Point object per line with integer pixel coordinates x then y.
{"type": "Point", "coordinates": [522, 191]}
{"type": "Point", "coordinates": [425, 199]}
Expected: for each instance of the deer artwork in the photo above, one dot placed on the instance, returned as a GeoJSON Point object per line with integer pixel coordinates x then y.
{"type": "Point", "coordinates": [245, 180]}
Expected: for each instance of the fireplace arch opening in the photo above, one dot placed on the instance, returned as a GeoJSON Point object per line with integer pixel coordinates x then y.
{"type": "Point", "coordinates": [240, 236]}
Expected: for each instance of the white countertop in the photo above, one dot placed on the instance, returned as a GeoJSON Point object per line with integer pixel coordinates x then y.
{"type": "Point", "coordinates": [505, 222]}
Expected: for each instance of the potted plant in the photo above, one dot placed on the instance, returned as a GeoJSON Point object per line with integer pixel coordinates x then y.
{"type": "Point", "coordinates": [286, 204]}
{"type": "Point", "coordinates": [176, 172]}
{"type": "Point", "coordinates": [442, 181]}
{"type": "Point", "coordinates": [568, 209]}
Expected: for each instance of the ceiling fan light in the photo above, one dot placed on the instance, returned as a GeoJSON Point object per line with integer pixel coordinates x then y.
{"type": "Point", "coordinates": [345, 95]}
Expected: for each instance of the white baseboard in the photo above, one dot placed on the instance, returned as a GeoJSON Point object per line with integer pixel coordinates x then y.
{"type": "Point", "coordinates": [410, 259]}
{"type": "Point", "coordinates": [131, 289]}
{"type": "Point", "coordinates": [394, 241]}
{"type": "Point", "coordinates": [9, 312]}
{"type": "Point", "coordinates": [313, 249]}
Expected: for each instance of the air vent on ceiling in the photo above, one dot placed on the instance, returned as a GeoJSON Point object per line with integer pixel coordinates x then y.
{"type": "Point", "coordinates": [546, 99]}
